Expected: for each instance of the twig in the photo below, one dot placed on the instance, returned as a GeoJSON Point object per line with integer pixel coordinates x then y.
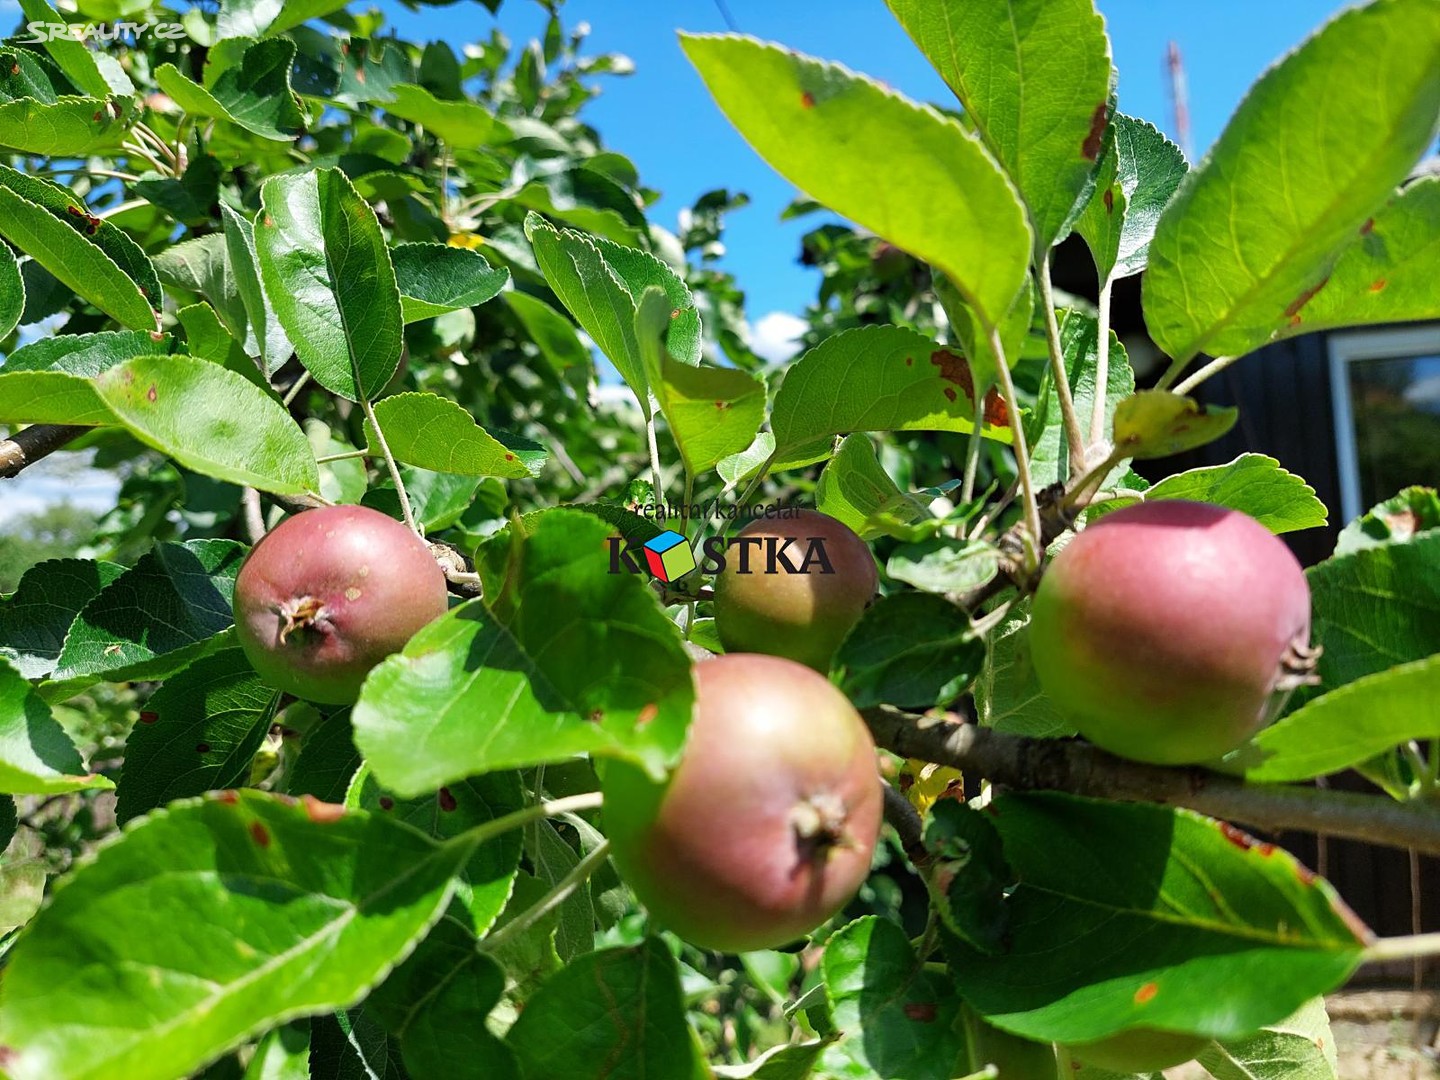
{"type": "Point", "coordinates": [254, 520]}
{"type": "Point", "coordinates": [1025, 764]}
{"type": "Point", "coordinates": [405, 511]}
{"type": "Point", "coordinates": [29, 445]}
{"type": "Point", "coordinates": [1022, 452]}
{"type": "Point", "coordinates": [654, 458]}
{"type": "Point", "coordinates": [342, 457]}
{"type": "Point", "coordinates": [1214, 367]}
{"type": "Point", "coordinates": [1102, 368]}
{"type": "Point", "coordinates": [1403, 948]}
{"type": "Point", "coordinates": [1073, 436]}
{"type": "Point", "coordinates": [905, 820]}
{"type": "Point", "coordinates": [295, 388]}
{"type": "Point", "coordinates": [577, 876]}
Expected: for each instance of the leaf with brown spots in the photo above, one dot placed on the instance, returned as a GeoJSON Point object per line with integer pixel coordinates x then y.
{"type": "Point", "coordinates": [279, 915]}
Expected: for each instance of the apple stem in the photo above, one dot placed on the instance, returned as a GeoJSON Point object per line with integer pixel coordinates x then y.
{"type": "Point", "coordinates": [1017, 433]}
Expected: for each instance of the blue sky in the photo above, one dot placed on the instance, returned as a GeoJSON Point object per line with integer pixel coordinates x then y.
{"type": "Point", "coordinates": [663, 119]}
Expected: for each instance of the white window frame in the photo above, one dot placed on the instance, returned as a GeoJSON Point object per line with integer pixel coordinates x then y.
{"type": "Point", "coordinates": [1376, 343]}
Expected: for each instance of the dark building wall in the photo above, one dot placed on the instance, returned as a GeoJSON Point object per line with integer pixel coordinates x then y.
{"type": "Point", "coordinates": [1286, 411]}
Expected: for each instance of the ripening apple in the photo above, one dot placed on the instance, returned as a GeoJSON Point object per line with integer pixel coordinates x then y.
{"type": "Point", "coordinates": [766, 827]}
{"type": "Point", "coordinates": [794, 587]}
{"type": "Point", "coordinates": [1164, 630]}
{"type": "Point", "coordinates": [329, 593]}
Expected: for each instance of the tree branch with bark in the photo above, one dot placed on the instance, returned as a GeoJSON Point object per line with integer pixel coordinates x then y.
{"type": "Point", "coordinates": [1029, 764]}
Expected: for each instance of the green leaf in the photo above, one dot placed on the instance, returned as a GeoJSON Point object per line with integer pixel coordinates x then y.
{"type": "Point", "coordinates": [32, 75]}
{"type": "Point", "coordinates": [975, 341]}
{"type": "Point", "coordinates": [36, 756]}
{"type": "Point", "coordinates": [72, 57]}
{"type": "Point", "coordinates": [198, 733]}
{"type": "Point", "coordinates": [35, 618]}
{"type": "Point", "coordinates": [463, 124]}
{"type": "Point", "coordinates": [589, 200]}
{"type": "Point", "coordinates": [207, 338]}
{"type": "Point", "coordinates": [1346, 726]}
{"type": "Point", "coordinates": [1375, 608]}
{"type": "Point", "coordinates": [242, 911]}
{"type": "Point", "coordinates": [553, 858]}
{"type": "Point", "coordinates": [939, 564]}
{"type": "Point", "coordinates": [968, 875]}
{"type": "Point", "coordinates": [1138, 175]}
{"type": "Point", "coordinates": [901, 1018]}
{"type": "Point", "coordinates": [611, 1013]}
{"type": "Point", "coordinates": [156, 617]}
{"type": "Point", "coordinates": [911, 650]}
{"type": "Point", "coordinates": [252, 319]}
{"type": "Point", "coordinates": [327, 762]}
{"type": "Point", "coordinates": [283, 1054]}
{"type": "Point", "coordinates": [50, 397]}
{"type": "Point", "coordinates": [437, 434]}
{"type": "Point", "coordinates": [1396, 520]}
{"type": "Point", "coordinates": [202, 267]}
{"type": "Point", "coordinates": [436, 278]}
{"type": "Point", "coordinates": [74, 260]}
{"type": "Point", "coordinates": [71, 209]}
{"type": "Point", "coordinates": [255, 93]}
{"type": "Point", "coordinates": [712, 412]}
{"type": "Point", "coordinates": [1008, 694]}
{"type": "Point", "coordinates": [1386, 275]}
{"type": "Point", "coordinates": [1080, 346]}
{"type": "Point", "coordinates": [328, 275]}
{"type": "Point", "coordinates": [1034, 77]}
{"type": "Point", "coordinates": [560, 657]}
{"type": "Point", "coordinates": [555, 337]}
{"type": "Point", "coordinates": [1253, 483]}
{"type": "Point", "coordinates": [84, 355]}
{"type": "Point", "coordinates": [902, 170]}
{"type": "Point", "coordinates": [211, 420]}
{"type": "Point", "coordinates": [1300, 1047]}
{"type": "Point", "coordinates": [599, 283]}
{"type": "Point", "coordinates": [790, 1061]}
{"type": "Point", "coordinates": [875, 378]}
{"type": "Point", "coordinates": [488, 875]}
{"type": "Point", "coordinates": [12, 291]}
{"type": "Point", "coordinates": [191, 197]}
{"type": "Point", "coordinates": [352, 1045]}
{"type": "Point", "coordinates": [68, 127]}
{"type": "Point", "coordinates": [1253, 230]}
{"type": "Point", "coordinates": [1111, 928]}
{"type": "Point", "coordinates": [437, 499]}
{"type": "Point", "coordinates": [1157, 423]}
{"type": "Point", "coordinates": [437, 1003]}
{"type": "Point", "coordinates": [855, 489]}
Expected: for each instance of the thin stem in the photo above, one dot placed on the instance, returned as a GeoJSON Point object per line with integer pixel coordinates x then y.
{"type": "Point", "coordinates": [972, 452]}
{"type": "Point", "coordinates": [112, 173]}
{"type": "Point", "coordinates": [518, 819]}
{"type": "Point", "coordinates": [120, 208]}
{"type": "Point", "coordinates": [1214, 367]}
{"type": "Point", "coordinates": [654, 458]}
{"type": "Point", "coordinates": [296, 387]}
{"type": "Point", "coordinates": [1402, 948]}
{"type": "Point", "coordinates": [1017, 432]}
{"type": "Point", "coordinates": [342, 457]}
{"type": "Point", "coordinates": [1102, 368]}
{"type": "Point", "coordinates": [158, 143]}
{"type": "Point", "coordinates": [142, 152]}
{"type": "Point", "coordinates": [254, 519]}
{"type": "Point", "coordinates": [405, 511]}
{"type": "Point", "coordinates": [578, 875]}
{"type": "Point", "coordinates": [1061, 378]}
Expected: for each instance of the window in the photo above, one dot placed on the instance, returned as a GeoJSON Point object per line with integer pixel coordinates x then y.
{"type": "Point", "coordinates": [1386, 386]}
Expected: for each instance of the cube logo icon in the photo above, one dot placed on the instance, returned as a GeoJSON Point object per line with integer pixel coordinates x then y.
{"type": "Point", "coordinates": [669, 556]}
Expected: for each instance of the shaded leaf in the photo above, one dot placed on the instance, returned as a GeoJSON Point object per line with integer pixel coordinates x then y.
{"type": "Point", "coordinates": [1396, 520]}
{"type": "Point", "coordinates": [68, 127]}
{"type": "Point", "coordinates": [436, 278]}
{"type": "Point", "coordinates": [911, 650]}
{"type": "Point", "coordinates": [1253, 483]}
{"type": "Point", "coordinates": [255, 93]}
{"type": "Point", "coordinates": [1157, 423]}
{"type": "Point", "coordinates": [198, 733]}
{"type": "Point", "coordinates": [35, 618]}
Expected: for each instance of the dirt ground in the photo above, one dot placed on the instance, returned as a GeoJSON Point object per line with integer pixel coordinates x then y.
{"type": "Point", "coordinates": [1375, 1033]}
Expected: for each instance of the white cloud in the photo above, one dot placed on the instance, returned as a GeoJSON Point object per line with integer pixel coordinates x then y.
{"type": "Point", "coordinates": [776, 336]}
{"type": "Point", "coordinates": [91, 489]}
